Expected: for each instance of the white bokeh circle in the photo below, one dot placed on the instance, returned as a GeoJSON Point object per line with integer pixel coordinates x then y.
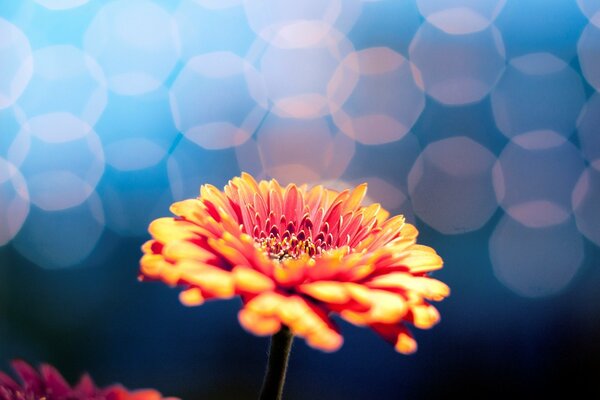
{"type": "Point", "coordinates": [458, 69]}
{"type": "Point", "coordinates": [203, 30]}
{"type": "Point", "coordinates": [535, 262]}
{"type": "Point", "coordinates": [269, 19]}
{"type": "Point", "coordinates": [143, 134]}
{"type": "Point", "coordinates": [137, 44]}
{"type": "Point", "coordinates": [65, 79]}
{"type": "Point", "coordinates": [298, 66]}
{"type": "Point", "coordinates": [588, 50]}
{"type": "Point", "coordinates": [118, 154]}
{"type": "Point", "coordinates": [16, 67]}
{"type": "Point", "coordinates": [11, 120]}
{"type": "Point", "coordinates": [61, 4]}
{"type": "Point", "coordinates": [591, 9]}
{"type": "Point", "coordinates": [296, 150]}
{"type": "Point", "coordinates": [219, 4]}
{"type": "Point", "coordinates": [61, 158]}
{"type": "Point", "coordinates": [585, 201]}
{"type": "Point", "coordinates": [588, 129]}
{"type": "Point", "coordinates": [14, 198]}
{"type": "Point", "coordinates": [459, 17]}
{"type": "Point", "coordinates": [450, 185]}
{"type": "Point", "coordinates": [60, 239]}
{"type": "Point", "coordinates": [531, 86]}
{"type": "Point", "coordinates": [218, 100]}
{"type": "Point", "coordinates": [375, 95]}
{"type": "Point", "coordinates": [534, 177]}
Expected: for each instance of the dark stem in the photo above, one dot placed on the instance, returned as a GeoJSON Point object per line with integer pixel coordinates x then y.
{"type": "Point", "coordinates": [281, 343]}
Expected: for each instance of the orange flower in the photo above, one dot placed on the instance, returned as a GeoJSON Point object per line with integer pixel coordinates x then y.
{"type": "Point", "coordinates": [296, 256]}
{"type": "Point", "coordinates": [48, 384]}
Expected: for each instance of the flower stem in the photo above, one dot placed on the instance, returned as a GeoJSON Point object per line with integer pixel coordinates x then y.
{"type": "Point", "coordinates": [281, 343]}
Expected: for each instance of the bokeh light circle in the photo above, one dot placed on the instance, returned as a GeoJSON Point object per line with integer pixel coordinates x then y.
{"type": "Point", "coordinates": [296, 150]}
{"type": "Point", "coordinates": [591, 9]}
{"type": "Point", "coordinates": [14, 198]}
{"type": "Point", "coordinates": [218, 4]}
{"type": "Point", "coordinates": [137, 44]}
{"type": "Point", "coordinates": [218, 100]}
{"type": "Point", "coordinates": [61, 4]}
{"type": "Point", "coordinates": [451, 187]}
{"type": "Point", "coordinates": [203, 30]}
{"type": "Point", "coordinates": [65, 79]}
{"type": "Point", "coordinates": [458, 69]}
{"type": "Point", "coordinates": [61, 157]}
{"type": "Point", "coordinates": [118, 154]}
{"type": "Point", "coordinates": [11, 120]}
{"type": "Point", "coordinates": [532, 85]}
{"type": "Point", "coordinates": [144, 133]}
{"type": "Point", "coordinates": [534, 177]}
{"type": "Point", "coordinates": [535, 262]}
{"type": "Point", "coordinates": [269, 19]}
{"type": "Point", "coordinates": [588, 129]}
{"type": "Point", "coordinates": [310, 52]}
{"type": "Point", "coordinates": [588, 50]}
{"type": "Point", "coordinates": [390, 161]}
{"type": "Point", "coordinates": [16, 67]}
{"type": "Point", "coordinates": [585, 200]}
{"type": "Point", "coordinates": [375, 95]}
{"type": "Point", "coordinates": [59, 239]}
{"type": "Point", "coordinates": [460, 17]}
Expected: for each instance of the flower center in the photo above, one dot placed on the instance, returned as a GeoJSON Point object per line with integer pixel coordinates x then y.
{"type": "Point", "coordinates": [290, 246]}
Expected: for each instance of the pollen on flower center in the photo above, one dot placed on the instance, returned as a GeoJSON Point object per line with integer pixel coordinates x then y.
{"type": "Point", "coordinates": [290, 246]}
{"type": "Point", "coordinates": [291, 242]}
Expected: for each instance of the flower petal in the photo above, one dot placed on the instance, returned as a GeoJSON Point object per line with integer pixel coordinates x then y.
{"type": "Point", "coordinates": [384, 307]}
{"type": "Point", "coordinates": [327, 291]}
{"type": "Point", "coordinates": [54, 381]}
{"type": "Point", "coordinates": [424, 316]}
{"type": "Point", "coordinates": [211, 280]}
{"type": "Point", "coordinates": [420, 260]}
{"type": "Point", "coordinates": [355, 198]}
{"type": "Point", "coordinates": [257, 323]}
{"type": "Point", "coordinates": [191, 297]}
{"type": "Point", "coordinates": [290, 271]}
{"type": "Point", "coordinates": [168, 229]}
{"type": "Point", "coordinates": [397, 335]}
{"type": "Point", "coordinates": [249, 280]}
{"type": "Point", "coordinates": [28, 375]}
{"type": "Point", "coordinates": [427, 287]}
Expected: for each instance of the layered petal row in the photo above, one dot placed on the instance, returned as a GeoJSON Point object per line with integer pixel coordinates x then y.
{"type": "Point", "coordinates": [297, 256]}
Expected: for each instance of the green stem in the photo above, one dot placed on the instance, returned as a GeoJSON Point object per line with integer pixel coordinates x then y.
{"type": "Point", "coordinates": [281, 343]}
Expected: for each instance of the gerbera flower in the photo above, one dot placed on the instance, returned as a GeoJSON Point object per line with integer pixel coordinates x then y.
{"type": "Point", "coordinates": [296, 256]}
{"type": "Point", "coordinates": [48, 384]}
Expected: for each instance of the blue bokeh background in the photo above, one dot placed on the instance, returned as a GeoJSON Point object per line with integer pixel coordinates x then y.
{"type": "Point", "coordinates": [478, 120]}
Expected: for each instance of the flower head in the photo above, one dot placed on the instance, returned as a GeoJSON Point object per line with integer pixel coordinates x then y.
{"type": "Point", "coordinates": [296, 256]}
{"type": "Point", "coordinates": [48, 384]}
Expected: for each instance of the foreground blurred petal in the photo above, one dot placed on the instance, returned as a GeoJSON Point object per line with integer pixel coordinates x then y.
{"type": "Point", "coordinates": [49, 384]}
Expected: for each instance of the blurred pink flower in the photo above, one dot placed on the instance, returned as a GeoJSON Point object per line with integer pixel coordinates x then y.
{"type": "Point", "coordinates": [49, 384]}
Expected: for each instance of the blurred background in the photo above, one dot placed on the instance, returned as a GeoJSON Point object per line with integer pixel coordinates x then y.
{"type": "Point", "coordinates": [477, 119]}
